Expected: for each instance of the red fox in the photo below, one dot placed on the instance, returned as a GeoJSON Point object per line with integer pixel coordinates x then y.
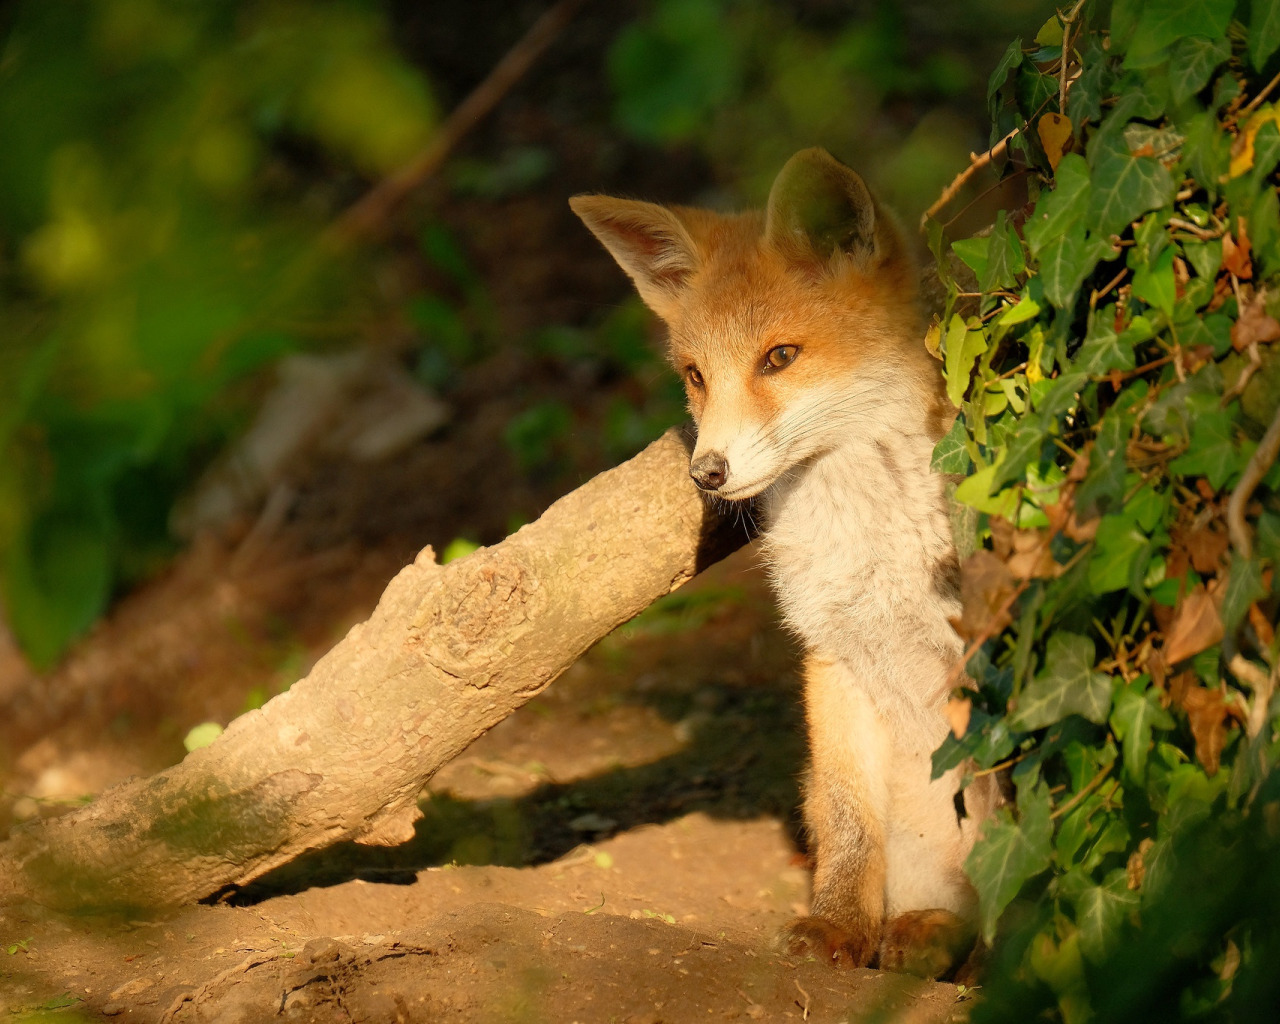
{"type": "Point", "coordinates": [797, 333]}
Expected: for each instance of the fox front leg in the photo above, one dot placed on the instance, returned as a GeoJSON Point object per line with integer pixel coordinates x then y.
{"type": "Point", "coordinates": [845, 797]}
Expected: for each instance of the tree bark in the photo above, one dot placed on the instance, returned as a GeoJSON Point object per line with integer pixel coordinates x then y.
{"type": "Point", "coordinates": [449, 652]}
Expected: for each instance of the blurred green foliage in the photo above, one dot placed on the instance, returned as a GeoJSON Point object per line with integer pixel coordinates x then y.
{"type": "Point", "coordinates": [168, 169]}
{"type": "Point", "coordinates": [749, 82]}
{"type": "Point", "coordinates": [160, 204]}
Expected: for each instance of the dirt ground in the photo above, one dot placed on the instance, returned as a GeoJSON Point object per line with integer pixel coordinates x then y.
{"type": "Point", "coordinates": [620, 849]}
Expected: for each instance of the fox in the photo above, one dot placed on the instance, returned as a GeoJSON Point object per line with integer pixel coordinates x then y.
{"type": "Point", "coordinates": [798, 333]}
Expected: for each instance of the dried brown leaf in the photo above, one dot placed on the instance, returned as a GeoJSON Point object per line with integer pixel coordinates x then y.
{"type": "Point", "coordinates": [1179, 685]}
{"type": "Point", "coordinates": [1152, 661]}
{"type": "Point", "coordinates": [1254, 327]}
{"type": "Point", "coordinates": [1207, 712]}
{"type": "Point", "coordinates": [985, 585]}
{"type": "Point", "coordinates": [1002, 532]}
{"type": "Point", "coordinates": [1206, 548]}
{"type": "Point", "coordinates": [1196, 626]}
{"type": "Point", "coordinates": [1031, 558]}
{"type": "Point", "coordinates": [1080, 464]}
{"type": "Point", "coordinates": [1062, 519]}
{"type": "Point", "coordinates": [1236, 257]}
{"type": "Point", "coordinates": [1221, 292]}
{"type": "Point", "coordinates": [1136, 869]}
{"type": "Point", "coordinates": [1026, 552]}
{"type": "Point", "coordinates": [1261, 625]}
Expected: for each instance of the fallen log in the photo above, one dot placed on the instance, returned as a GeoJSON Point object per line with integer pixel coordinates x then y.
{"type": "Point", "coordinates": [448, 653]}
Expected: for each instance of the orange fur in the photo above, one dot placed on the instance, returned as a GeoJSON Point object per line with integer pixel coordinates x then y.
{"type": "Point", "coordinates": [798, 337]}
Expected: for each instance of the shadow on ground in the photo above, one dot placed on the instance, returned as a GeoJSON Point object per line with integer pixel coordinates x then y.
{"type": "Point", "coordinates": [740, 761]}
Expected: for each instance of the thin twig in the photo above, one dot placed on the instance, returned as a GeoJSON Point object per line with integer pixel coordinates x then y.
{"type": "Point", "coordinates": [1098, 293]}
{"type": "Point", "coordinates": [1068, 22]}
{"type": "Point", "coordinates": [1117, 377]}
{"type": "Point", "coordinates": [1249, 107]}
{"type": "Point", "coordinates": [1264, 687]}
{"type": "Point", "coordinates": [1001, 766]}
{"type": "Point", "coordinates": [1092, 784]}
{"type": "Point", "coordinates": [808, 999]}
{"type": "Point", "coordinates": [1011, 176]}
{"type": "Point", "coordinates": [1261, 461]}
{"type": "Point", "coordinates": [371, 212]}
{"type": "Point", "coordinates": [976, 162]}
{"type": "Point", "coordinates": [1202, 233]}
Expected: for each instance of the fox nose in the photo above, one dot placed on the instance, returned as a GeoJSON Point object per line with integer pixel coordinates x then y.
{"type": "Point", "coordinates": [709, 471]}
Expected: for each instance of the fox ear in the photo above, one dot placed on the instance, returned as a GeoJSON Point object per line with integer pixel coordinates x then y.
{"type": "Point", "coordinates": [817, 207]}
{"type": "Point", "coordinates": [649, 242]}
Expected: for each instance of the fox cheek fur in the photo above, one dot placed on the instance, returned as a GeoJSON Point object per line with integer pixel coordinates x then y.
{"type": "Point", "coordinates": [800, 344]}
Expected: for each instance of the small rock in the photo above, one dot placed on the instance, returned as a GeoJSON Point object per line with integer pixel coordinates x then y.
{"type": "Point", "coordinates": [131, 988]}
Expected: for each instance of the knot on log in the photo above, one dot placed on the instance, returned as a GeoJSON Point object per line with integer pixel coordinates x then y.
{"type": "Point", "coordinates": [475, 613]}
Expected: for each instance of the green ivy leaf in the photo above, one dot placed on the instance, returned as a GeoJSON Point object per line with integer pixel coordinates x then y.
{"type": "Point", "coordinates": [1213, 330]}
{"type": "Point", "coordinates": [1009, 853]}
{"type": "Point", "coordinates": [973, 253]}
{"type": "Point", "coordinates": [1124, 186]}
{"type": "Point", "coordinates": [1061, 207]}
{"type": "Point", "coordinates": [1103, 486]}
{"type": "Point", "coordinates": [1005, 261]}
{"type": "Point", "coordinates": [1206, 149]}
{"type": "Point", "coordinates": [1060, 394]}
{"type": "Point", "coordinates": [1153, 283]}
{"type": "Point", "coordinates": [1101, 911]}
{"type": "Point", "coordinates": [1264, 31]}
{"type": "Point", "coordinates": [963, 345]}
{"type": "Point", "coordinates": [1205, 257]}
{"type": "Point", "coordinates": [1117, 544]}
{"type": "Point", "coordinates": [1166, 21]}
{"type": "Point", "coordinates": [1104, 351]}
{"type": "Point", "coordinates": [1011, 59]}
{"type": "Point", "coordinates": [1064, 264]}
{"type": "Point", "coordinates": [1266, 152]}
{"type": "Point", "coordinates": [1192, 63]}
{"type": "Point", "coordinates": [1020, 451]}
{"type": "Point", "coordinates": [1067, 685]}
{"type": "Point", "coordinates": [987, 741]}
{"type": "Point", "coordinates": [1084, 102]}
{"type": "Point", "coordinates": [976, 492]}
{"type": "Point", "coordinates": [1026, 308]}
{"type": "Point", "coordinates": [1137, 713]}
{"type": "Point", "coordinates": [1213, 453]}
{"type": "Point", "coordinates": [1244, 586]}
{"type": "Point", "coordinates": [951, 454]}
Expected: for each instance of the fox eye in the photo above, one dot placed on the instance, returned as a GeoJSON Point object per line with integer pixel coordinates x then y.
{"type": "Point", "coordinates": [783, 355]}
{"type": "Point", "coordinates": [694, 377]}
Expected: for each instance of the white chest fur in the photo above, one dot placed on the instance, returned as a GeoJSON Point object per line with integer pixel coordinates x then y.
{"type": "Point", "coordinates": [858, 542]}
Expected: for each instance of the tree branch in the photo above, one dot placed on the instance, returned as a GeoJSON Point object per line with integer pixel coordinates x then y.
{"type": "Point", "coordinates": [449, 652]}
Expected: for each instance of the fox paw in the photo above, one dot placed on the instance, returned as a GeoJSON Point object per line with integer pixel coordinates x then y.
{"type": "Point", "coordinates": [828, 943]}
{"type": "Point", "coordinates": [926, 943]}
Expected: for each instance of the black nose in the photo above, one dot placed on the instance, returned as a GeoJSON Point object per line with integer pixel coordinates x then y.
{"type": "Point", "coordinates": [709, 471]}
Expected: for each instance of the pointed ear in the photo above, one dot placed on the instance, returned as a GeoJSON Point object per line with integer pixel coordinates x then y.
{"type": "Point", "coordinates": [649, 242]}
{"type": "Point", "coordinates": [818, 207]}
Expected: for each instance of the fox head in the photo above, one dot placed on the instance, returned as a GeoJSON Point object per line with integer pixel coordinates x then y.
{"type": "Point", "coordinates": [791, 327]}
